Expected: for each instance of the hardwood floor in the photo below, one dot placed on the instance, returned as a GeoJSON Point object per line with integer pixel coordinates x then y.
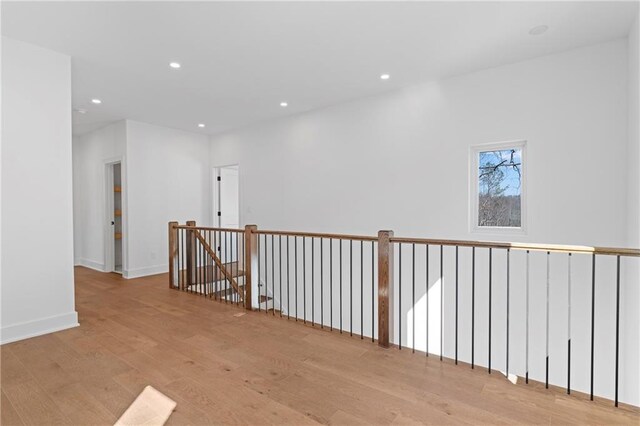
{"type": "Point", "coordinates": [226, 367]}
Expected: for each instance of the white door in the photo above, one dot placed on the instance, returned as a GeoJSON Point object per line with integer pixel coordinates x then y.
{"type": "Point", "coordinates": [229, 197]}
{"type": "Point", "coordinates": [228, 209]}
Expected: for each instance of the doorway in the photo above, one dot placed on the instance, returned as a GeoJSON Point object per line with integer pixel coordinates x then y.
{"type": "Point", "coordinates": [114, 217]}
{"type": "Point", "coordinates": [226, 205]}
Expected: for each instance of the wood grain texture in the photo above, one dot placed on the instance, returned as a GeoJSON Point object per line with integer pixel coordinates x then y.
{"type": "Point", "coordinates": [385, 285]}
{"type": "Point", "coordinates": [251, 369]}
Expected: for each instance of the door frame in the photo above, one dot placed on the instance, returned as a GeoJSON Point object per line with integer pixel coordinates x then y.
{"type": "Point", "coordinates": [108, 214]}
{"type": "Point", "coordinates": [215, 201]}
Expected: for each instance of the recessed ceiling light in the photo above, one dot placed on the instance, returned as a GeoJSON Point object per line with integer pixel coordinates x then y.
{"type": "Point", "coordinates": [96, 101]}
{"type": "Point", "coordinates": [201, 125]}
{"type": "Point", "coordinates": [283, 104]}
{"type": "Point", "coordinates": [385, 77]}
{"type": "Point", "coordinates": [80, 110]}
{"type": "Point", "coordinates": [174, 65]}
{"type": "Point", "coordinates": [540, 29]}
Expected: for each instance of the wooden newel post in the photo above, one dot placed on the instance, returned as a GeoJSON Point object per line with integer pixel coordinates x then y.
{"type": "Point", "coordinates": [173, 255]}
{"type": "Point", "coordinates": [250, 264]}
{"type": "Point", "coordinates": [385, 288]}
{"type": "Point", "coordinates": [191, 254]}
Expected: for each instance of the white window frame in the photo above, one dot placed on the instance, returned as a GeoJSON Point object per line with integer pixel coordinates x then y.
{"type": "Point", "coordinates": [474, 152]}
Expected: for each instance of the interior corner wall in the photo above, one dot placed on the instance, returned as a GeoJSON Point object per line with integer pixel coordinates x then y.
{"type": "Point", "coordinates": [169, 178]}
{"type": "Point", "coordinates": [400, 161]}
{"type": "Point", "coordinates": [631, 292]}
{"type": "Point", "coordinates": [37, 206]}
{"type": "Point", "coordinates": [91, 151]}
{"type": "Point", "coordinates": [166, 176]}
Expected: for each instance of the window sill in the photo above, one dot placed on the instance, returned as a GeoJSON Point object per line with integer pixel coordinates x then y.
{"type": "Point", "coordinates": [498, 230]}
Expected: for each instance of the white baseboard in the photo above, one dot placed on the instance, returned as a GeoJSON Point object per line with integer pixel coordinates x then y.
{"type": "Point", "coordinates": [91, 264]}
{"type": "Point", "coordinates": [143, 272]}
{"type": "Point", "coordinates": [26, 330]}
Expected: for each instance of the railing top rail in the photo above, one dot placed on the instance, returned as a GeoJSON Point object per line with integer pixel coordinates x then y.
{"type": "Point", "coordinates": [556, 248]}
{"type": "Point", "coordinates": [318, 235]}
{"type": "Point", "coordinates": [205, 228]}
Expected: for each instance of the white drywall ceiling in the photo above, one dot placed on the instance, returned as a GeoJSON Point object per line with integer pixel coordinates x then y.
{"type": "Point", "coordinates": [240, 60]}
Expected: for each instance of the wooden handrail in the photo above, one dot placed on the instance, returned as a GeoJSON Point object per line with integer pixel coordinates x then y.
{"type": "Point", "coordinates": [553, 248]}
{"type": "Point", "coordinates": [228, 276]}
{"type": "Point", "coordinates": [319, 235]}
{"type": "Point", "coordinates": [205, 228]}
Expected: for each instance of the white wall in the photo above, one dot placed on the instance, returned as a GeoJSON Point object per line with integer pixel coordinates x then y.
{"type": "Point", "coordinates": [37, 212]}
{"type": "Point", "coordinates": [631, 296]}
{"type": "Point", "coordinates": [169, 178]}
{"type": "Point", "coordinates": [166, 176]}
{"type": "Point", "coordinates": [400, 161]}
{"type": "Point", "coordinates": [90, 154]}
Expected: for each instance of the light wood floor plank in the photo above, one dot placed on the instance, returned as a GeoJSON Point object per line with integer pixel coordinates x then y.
{"type": "Point", "coordinates": [8, 415]}
{"type": "Point", "coordinates": [255, 368]}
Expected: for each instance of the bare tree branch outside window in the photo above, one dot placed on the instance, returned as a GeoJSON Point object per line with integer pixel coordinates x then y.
{"type": "Point", "coordinates": [499, 188]}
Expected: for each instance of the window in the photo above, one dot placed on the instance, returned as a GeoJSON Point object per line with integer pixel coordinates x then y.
{"type": "Point", "coordinates": [498, 187]}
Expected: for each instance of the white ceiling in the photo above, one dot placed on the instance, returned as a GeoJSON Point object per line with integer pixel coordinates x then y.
{"type": "Point", "coordinates": [240, 60]}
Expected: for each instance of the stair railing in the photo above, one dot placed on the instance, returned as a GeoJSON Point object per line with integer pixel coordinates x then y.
{"type": "Point", "coordinates": [473, 297]}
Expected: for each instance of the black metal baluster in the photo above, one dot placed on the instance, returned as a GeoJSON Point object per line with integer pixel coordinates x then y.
{"type": "Point", "coordinates": [617, 323]}
{"type": "Point", "coordinates": [259, 257]}
{"type": "Point", "coordinates": [399, 296]}
{"type": "Point", "coordinates": [295, 270]}
{"type": "Point", "coordinates": [304, 280]}
{"type": "Point", "coordinates": [426, 290]}
{"type": "Point", "coordinates": [490, 262]}
{"type": "Point", "coordinates": [546, 380]}
{"type": "Point", "coordinates": [456, 355]}
{"type": "Point", "coordinates": [351, 287]}
{"type": "Point", "coordinates": [180, 277]}
{"type": "Point", "coordinates": [213, 269]}
{"type": "Point", "coordinates": [373, 297]}
{"type": "Point", "coordinates": [238, 266]}
{"type": "Point", "coordinates": [508, 277]}
{"type": "Point", "coordinates": [212, 292]}
{"type": "Point", "coordinates": [280, 270]}
{"type": "Point", "coordinates": [413, 295]}
{"type": "Point", "coordinates": [361, 290]}
{"type": "Point", "coordinates": [321, 286]}
{"type": "Point", "coordinates": [201, 269]}
{"type": "Point", "coordinates": [593, 316]}
{"type": "Point", "coordinates": [473, 306]}
{"type": "Point", "coordinates": [273, 279]}
{"type": "Point", "coordinates": [340, 242]}
{"type": "Point", "coordinates": [225, 263]}
{"type": "Point", "coordinates": [526, 357]}
{"type": "Point", "coordinates": [203, 263]}
{"type": "Point", "coordinates": [220, 274]}
{"type": "Point", "coordinates": [266, 275]}
{"type": "Point", "coordinates": [331, 283]}
{"type": "Point", "coordinates": [441, 304]}
{"type": "Point", "coordinates": [244, 256]}
{"type": "Point", "coordinates": [569, 325]}
{"type": "Point", "coordinates": [313, 258]}
{"type": "Point", "coordinates": [183, 272]}
{"type": "Point", "coordinates": [288, 285]}
{"type": "Point", "coordinates": [217, 270]}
